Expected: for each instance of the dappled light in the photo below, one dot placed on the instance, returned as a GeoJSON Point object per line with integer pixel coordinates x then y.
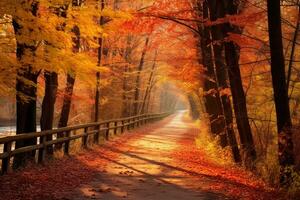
{"type": "Point", "coordinates": [164, 160]}
{"type": "Point", "coordinates": [149, 99]}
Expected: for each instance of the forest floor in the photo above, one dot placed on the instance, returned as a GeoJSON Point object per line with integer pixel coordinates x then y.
{"type": "Point", "coordinates": [157, 162]}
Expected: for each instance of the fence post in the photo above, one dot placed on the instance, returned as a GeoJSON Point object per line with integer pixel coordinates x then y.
{"type": "Point", "coordinates": [116, 129]}
{"type": "Point", "coordinates": [127, 122]}
{"type": "Point", "coordinates": [133, 123]}
{"type": "Point", "coordinates": [6, 161]}
{"type": "Point", "coordinates": [67, 143]}
{"type": "Point", "coordinates": [138, 121]}
{"type": "Point", "coordinates": [85, 138]}
{"type": "Point", "coordinates": [107, 131]}
{"type": "Point", "coordinates": [96, 136]}
{"type": "Point", "coordinates": [142, 120]}
{"type": "Point", "coordinates": [43, 150]}
{"type": "Point", "coordinates": [122, 128]}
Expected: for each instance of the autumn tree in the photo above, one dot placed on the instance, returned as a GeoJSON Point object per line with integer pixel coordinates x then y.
{"type": "Point", "coordinates": [27, 76]}
{"type": "Point", "coordinates": [284, 123]}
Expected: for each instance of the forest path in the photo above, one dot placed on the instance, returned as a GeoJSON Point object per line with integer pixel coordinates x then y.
{"type": "Point", "coordinates": [158, 161]}
{"type": "Point", "coordinates": [147, 170]}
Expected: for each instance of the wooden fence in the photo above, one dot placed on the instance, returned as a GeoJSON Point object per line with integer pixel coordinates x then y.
{"type": "Point", "coordinates": [63, 136]}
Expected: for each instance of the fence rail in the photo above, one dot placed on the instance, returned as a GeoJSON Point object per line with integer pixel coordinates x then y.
{"type": "Point", "coordinates": [63, 136]}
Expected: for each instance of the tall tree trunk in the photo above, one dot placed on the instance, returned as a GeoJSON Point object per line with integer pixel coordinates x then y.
{"type": "Point", "coordinates": [68, 93]}
{"type": "Point", "coordinates": [152, 84]}
{"type": "Point", "coordinates": [147, 92]}
{"type": "Point", "coordinates": [138, 78]}
{"type": "Point", "coordinates": [240, 107]}
{"type": "Point", "coordinates": [100, 49]}
{"type": "Point", "coordinates": [292, 56]}
{"type": "Point", "coordinates": [126, 80]}
{"type": "Point", "coordinates": [66, 108]}
{"type": "Point", "coordinates": [125, 91]}
{"type": "Point", "coordinates": [48, 105]}
{"type": "Point", "coordinates": [194, 112]}
{"type": "Point", "coordinates": [211, 94]}
{"type": "Point", "coordinates": [51, 85]}
{"type": "Point", "coordinates": [232, 52]}
{"type": "Point", "coordinates": [26, 108]}
{"type": "Point", "coordinates": [217, 10]}
{"type": "Point", "coordinates": [284, 122]}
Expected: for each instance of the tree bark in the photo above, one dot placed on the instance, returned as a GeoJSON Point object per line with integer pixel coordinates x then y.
{"type": "Point", "coordinates": [194, 112]}
{"type": "Point", "coordinates": [100, 49]}
{"type": "Point", "coordinates": [216, 11]}
{"type": "Point", "coordinates": [126, 80]}
{"type": "Point", "coordinates": [152, 84]}
{"type": "Point", "coordinates": [284, 122]}
{"type": "Point", "coordinates": [48, 105]}
{"type": "Point", "coordinates": [138, 78]}
{"type": "Point", "coordinates": [232, 52]}
{"type": "Point", "coordinates": [240, 106]}
{"type": "Point", "coordinates": [292, 56]}
{"type": "Point", "coordinates": [147, 92]}
{"type": "Point", "coordinates": [26, 108]}
{"type": "Point", "coordinates": [212, 99]}
{"type": "Point", "coordinates": [65, 111]}
{"type": "Point", "coordinates": [68, 93]}
{"type": "Point", "coordinates": [124, 96]}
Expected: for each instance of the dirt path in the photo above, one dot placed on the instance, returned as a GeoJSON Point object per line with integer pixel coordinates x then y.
{"type": "Point", "coordinates": [158, 161]}
{"type": "Point", "coordinates": [146, 170]}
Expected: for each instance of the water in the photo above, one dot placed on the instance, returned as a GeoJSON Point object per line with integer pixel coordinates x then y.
{"type": "Point", "coordinates": [7, 131]}
{"type": "Point", "coordinates": [10, 130]}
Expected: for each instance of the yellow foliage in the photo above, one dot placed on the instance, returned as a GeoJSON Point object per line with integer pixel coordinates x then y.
{"type": "Point", "coordinates": [211, 145]}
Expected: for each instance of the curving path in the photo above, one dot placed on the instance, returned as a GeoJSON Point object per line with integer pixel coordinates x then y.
{"type": "Point", "coordinates": [159, 161]}
{"type": "Point", "coordinates": [146, 171]}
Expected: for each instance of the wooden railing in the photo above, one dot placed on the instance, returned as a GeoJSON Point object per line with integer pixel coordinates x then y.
{"type": "Point", "coordinates": [63, 136]}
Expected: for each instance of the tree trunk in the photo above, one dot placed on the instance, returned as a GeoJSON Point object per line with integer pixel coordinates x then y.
{"type": "Point", "coordinates": [48, 105]}
{"type": "Point", "coordinates": [100, 49]}
{"type": "Point", "coordinates": [124, 96]}
{"type": "Point", "coordinates": [216, 11]}
{"type": "Point", "coordinates": [26, 113]}
{"type": "Point", "coordinates": [128, 91]}
{"type": "Point", "coordinates": [26, 95]}
{"type": "Point", "coordinates": [65, 111]}
{"type": "Point", "coordinates": [232, 52]}
{"type": "Point", "coordinates": [292, 56]}
{"type": "Point", "coordinates": [138, 78]}
{"type": "Point", "coordinates": [152, 84]}
{"type": "Point", "coordinates": [147, 92]}
{"type": "Point", "coordinates": [284, 123]}
{"type": "Point", "coordinates": [194, 112]}
{"type": "Point", "coordinates": [240, 105]}
{"type": "Point", "coordinates": [68, 93]}
{"type": "Point", "coordinates": [212, 99]}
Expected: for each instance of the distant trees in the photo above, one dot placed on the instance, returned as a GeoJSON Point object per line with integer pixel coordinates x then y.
{"type": "Point", "coordinates": [63, 41]}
